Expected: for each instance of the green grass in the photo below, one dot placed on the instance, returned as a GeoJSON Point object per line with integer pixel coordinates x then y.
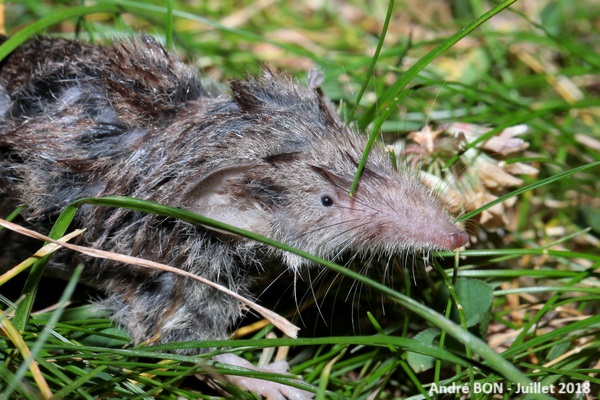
{"type": "Point", "coordinates": [528, 286]}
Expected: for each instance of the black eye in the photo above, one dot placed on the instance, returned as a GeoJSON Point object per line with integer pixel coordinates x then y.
{"type": "Point", "coordinates": [326, 201]}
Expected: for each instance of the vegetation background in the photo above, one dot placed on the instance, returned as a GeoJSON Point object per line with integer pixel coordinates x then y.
{"type": "Point", "coordinates": [528, 284]}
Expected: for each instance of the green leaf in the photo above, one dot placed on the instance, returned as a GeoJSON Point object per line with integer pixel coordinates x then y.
{"type": "Point", "coordinates": [552, 17]}
{"type": "Point", "coordinates": [476, 299]}
{"type": "Point", "coordinates": [422, 362]}
{"type": "Point", "coordinates": [590, 216]}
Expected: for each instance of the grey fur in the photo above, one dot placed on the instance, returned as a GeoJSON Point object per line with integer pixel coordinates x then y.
{"type": "Point", "coordinates": [130, 119]}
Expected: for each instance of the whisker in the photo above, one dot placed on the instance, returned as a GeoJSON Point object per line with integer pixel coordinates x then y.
{"type": "Point", "coordinates": [327, 227]}
{"type": "Point", "coordinates": [315, 297]}
{"type": "Point", "coordinates": [279, 276]}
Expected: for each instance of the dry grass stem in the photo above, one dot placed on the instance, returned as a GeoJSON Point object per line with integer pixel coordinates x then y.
{"type": "Point", "coordinates": [281, 323]}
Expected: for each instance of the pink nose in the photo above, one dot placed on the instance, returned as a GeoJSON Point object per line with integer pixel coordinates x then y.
{"type": "Point", "coordinates": [457, 239]}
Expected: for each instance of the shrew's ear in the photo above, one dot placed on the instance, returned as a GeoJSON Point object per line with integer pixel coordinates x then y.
{"type": "Point", "coordinates": [245, 96]}
{"type": "Point", "coordinates": [222, 195]}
